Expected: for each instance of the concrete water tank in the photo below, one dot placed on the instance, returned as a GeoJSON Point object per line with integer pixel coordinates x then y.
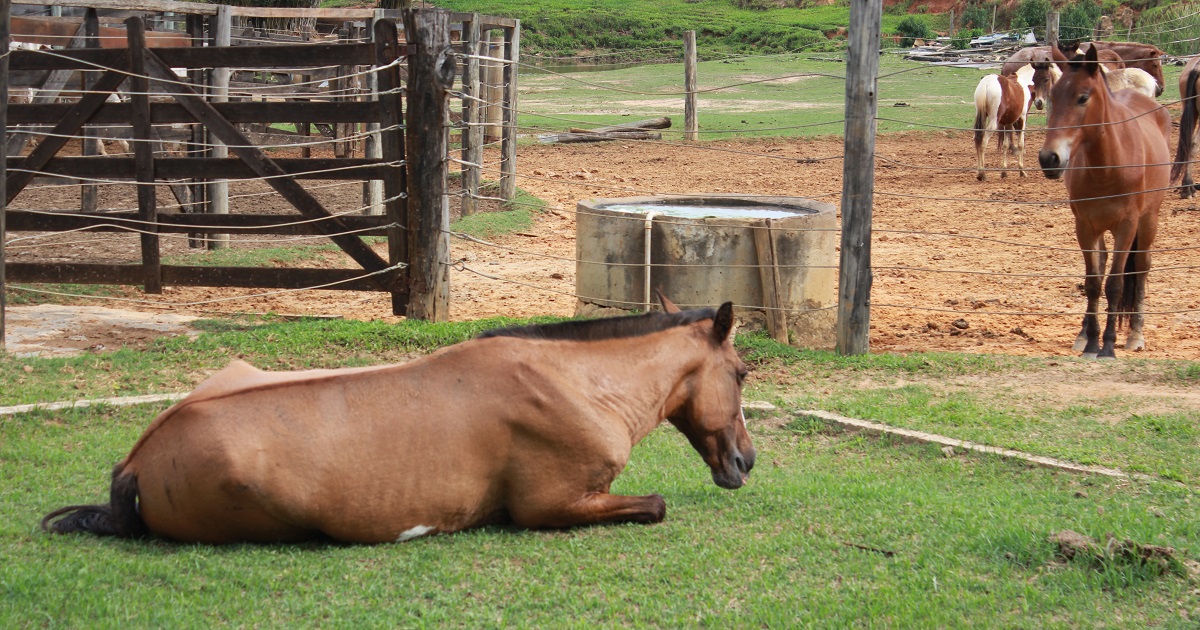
{"type": "Point", "coordinates": [702, 250]}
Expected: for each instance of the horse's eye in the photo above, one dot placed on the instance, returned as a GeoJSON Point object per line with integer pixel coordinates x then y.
{"type": "Point", "coordinates": [1083, 98]}
{"type": "Point", "coordinates": [741, 375]}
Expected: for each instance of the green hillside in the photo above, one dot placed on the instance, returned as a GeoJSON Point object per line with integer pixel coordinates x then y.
{"type": "Point", "coordinates": [652, 29]}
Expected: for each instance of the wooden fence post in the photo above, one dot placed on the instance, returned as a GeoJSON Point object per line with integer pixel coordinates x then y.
{"type": "Point", "coordinates": [431, 68]}
{"type": "Point", "coordinates": [472, 135]}
{"type": "Point", "coordinates": [508, 105]}
{"type": "Point", "coordinates": [373, 188]}
{"type": "Point", "coordinates": [494, 91]}
{"type": "Point", "coordinates": [1052, 29]}
{"type": "Point", "coordinates": [5, 7]}
{"type": "Point", "coordinates": [691, 128]}
{"type": "Point", "coordinates": [391, 147]}
{"type": "Point", "coordinates": [89, 193]}
{"type": "Point", "coordinates": [858, 178]}
{"type": "Point", "coordinates": [143, 154]}
{"type": "Point", "coordinates": [218, 191]}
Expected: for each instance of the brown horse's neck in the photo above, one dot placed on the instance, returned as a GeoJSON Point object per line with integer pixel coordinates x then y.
{"type": "Point", "coordinates": [645, 391]}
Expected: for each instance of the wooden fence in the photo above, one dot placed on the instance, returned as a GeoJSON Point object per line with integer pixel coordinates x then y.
{"type": "Point", "coordinates": [406, 163]}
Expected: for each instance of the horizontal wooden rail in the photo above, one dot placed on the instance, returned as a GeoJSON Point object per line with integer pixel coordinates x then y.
{"type": "Point", "coordinates": [180, 223]}
{"type": "Point", "coordinates": [212, 168]}
{"type": "Point", "coordinates": [172, 113]}
{"type": "Point", "coordinates": [243, 277]}
{"type": "Point", "coordinates": [250, 57]}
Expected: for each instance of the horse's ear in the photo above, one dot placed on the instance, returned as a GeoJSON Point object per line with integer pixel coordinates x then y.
{"type": "Point", "coordinates": [1059, 58]}
{"type": "Point", "coordinates": [1091, 60]}
{"type": "Point", "coordinates": [667, 305]}
{"type": "Point", "coordinates": [723, 323]}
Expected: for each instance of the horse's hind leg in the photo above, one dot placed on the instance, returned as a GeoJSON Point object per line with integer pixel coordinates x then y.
{"type": "Point", "coordinates": [1135, 342]}
{"type": "Point", "coordinates": [591, 509]}
{"type": "Point", "coordinates": [981, 142]}
{"type": "Point", "coordinates": [1005, 139]}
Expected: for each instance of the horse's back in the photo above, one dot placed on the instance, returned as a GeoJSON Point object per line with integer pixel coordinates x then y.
{"type": "Point", "coordinates": [361, 455]}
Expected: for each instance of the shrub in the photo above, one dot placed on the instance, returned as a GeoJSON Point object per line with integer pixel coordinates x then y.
{"type": "Point", "coordinates": [962, 40]}
{"type": "Point", "coordinates": [911, 28]}
{"type": "Point", "coordinates": [1030, 14]}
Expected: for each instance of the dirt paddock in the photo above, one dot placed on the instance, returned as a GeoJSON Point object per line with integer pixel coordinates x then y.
{"type": "Point", "coordinates": [947, 249]}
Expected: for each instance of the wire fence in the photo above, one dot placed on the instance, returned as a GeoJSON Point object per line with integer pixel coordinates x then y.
{"type": "Point", "coordinates": [945, 247]}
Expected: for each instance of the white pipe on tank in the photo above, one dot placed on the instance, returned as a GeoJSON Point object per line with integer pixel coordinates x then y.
{"type": "Point", "coordinates": [649, 224]}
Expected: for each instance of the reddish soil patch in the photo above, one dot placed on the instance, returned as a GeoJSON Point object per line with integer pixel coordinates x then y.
{"type": "Point", "coordinates": [946, 247]}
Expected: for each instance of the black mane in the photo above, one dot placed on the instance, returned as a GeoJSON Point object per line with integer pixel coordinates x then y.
{"type": "Point", "coordinates": [606, 328]}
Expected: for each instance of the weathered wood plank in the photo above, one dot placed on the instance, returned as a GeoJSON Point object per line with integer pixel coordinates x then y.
{"type": "Point", "coordinates": [143, 154]}
{"type": "Point", "coordinates": [245, 57]}
{"type": "Point", "coordinates": [174, 275]}
{"type": "Point", "coordinates": [179, 223]}
{"type": "Point", "coordinates": [508, 142]}
{"type": "Point", "coordinates": [391, 147]}
{"type": "Point", "coordinates": [768, 273]}
{"type": "Point", "coordinates": [174, 113]}
{"type": "Point", "coordinates": [208, 168]}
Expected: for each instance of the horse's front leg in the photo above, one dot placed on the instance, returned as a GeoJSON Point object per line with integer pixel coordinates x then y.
{"type": "Point", "coordinates": [591, 509]}
{"type": "Point", "coordinates": [1088, 340]}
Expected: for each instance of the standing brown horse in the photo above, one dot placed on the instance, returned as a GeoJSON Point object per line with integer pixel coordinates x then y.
{"type": "Point", "coordinates": [1189, 87]}
{"type": "Point", "coordinates": [526, 425]}
{"type": "Point", "coordinates": [1113, 148]}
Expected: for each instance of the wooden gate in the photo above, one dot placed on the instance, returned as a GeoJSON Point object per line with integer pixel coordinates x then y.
{"type": "Point", "coordinates": [137, 65]}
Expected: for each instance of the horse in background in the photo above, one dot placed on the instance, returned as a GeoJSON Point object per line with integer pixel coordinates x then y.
{"type": "Point", "coordinates": [1134, 55]}
{"type": "Point", "coordinates": [1001, 105]}
{"type": "Point", "coordinates": [1112, 148]}
{"type": "Point", "coordinates": [1045, 75]}
{"type": "Point", "coordinates": [1189, 87]}
{"type": "Point", "coordinates": [1131, 79]}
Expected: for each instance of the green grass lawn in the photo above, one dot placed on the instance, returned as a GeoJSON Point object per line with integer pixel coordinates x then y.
{"type": "Point", "coordinates": [966, 537]}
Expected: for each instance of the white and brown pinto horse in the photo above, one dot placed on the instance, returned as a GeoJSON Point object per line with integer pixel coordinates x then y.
{"type": "Point", "coordinates": [1189, 87]}
{"type": "Point", "coordinates": [527, 426]}
{"type": "Point", "coordinates": [1112, 147]}
{"type": "Point", "coordinates": [1001, 105]}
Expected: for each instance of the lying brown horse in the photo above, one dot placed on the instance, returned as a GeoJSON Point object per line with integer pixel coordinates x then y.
{"type": "Point", "coordinates": [526, 425]}
{"type": "Point", "coordinates": [1189, 87]}
{"type": "Point", "coordinates": [1113, 149]}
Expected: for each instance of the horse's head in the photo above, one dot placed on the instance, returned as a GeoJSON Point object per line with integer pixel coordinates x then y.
{"type": "Point", "coordinates": [1077, 100]}
{"type": "Point", "coordinates": [709, 412]}
{"type": "Point", "coordinates": [1045, 75]}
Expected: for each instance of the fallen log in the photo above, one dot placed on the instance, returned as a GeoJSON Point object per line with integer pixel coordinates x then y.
{"type": "Point", "coordinates": [601, 137]}
{"type": "Point", "coordinates": [639, 125]}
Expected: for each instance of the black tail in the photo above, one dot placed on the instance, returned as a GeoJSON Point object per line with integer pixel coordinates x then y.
{"type": "Point", "coordinates": [1132, 287]}
{"type": "Point", "coordinates": [1187, 126]}
{"type": "Point", "coordinates": [119, 518]}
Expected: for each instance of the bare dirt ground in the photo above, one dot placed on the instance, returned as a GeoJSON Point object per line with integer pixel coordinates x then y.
{"type": "Point", "coordinates": [946, 247]}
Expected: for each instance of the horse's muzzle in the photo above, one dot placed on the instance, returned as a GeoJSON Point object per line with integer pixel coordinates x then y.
{"type": "Point", "coordinates": [733, 475]}
{"type": "Point", "coordinates": [1051, 163]}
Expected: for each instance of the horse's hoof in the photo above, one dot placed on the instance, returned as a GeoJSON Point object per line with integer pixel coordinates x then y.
{"type": "Point", "coordinates": [1022, 173]}
{"type": "Point", "coordinates": [1080, 344]}
{"type": "Point", "coordinates": [1135, 345]}
{"type": "Point", "coordinates": [1003, 174]}
{"type": "Point", "coordinates": [1089, 355]}
{"type": "Point", "coordinates": [981, 176]}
